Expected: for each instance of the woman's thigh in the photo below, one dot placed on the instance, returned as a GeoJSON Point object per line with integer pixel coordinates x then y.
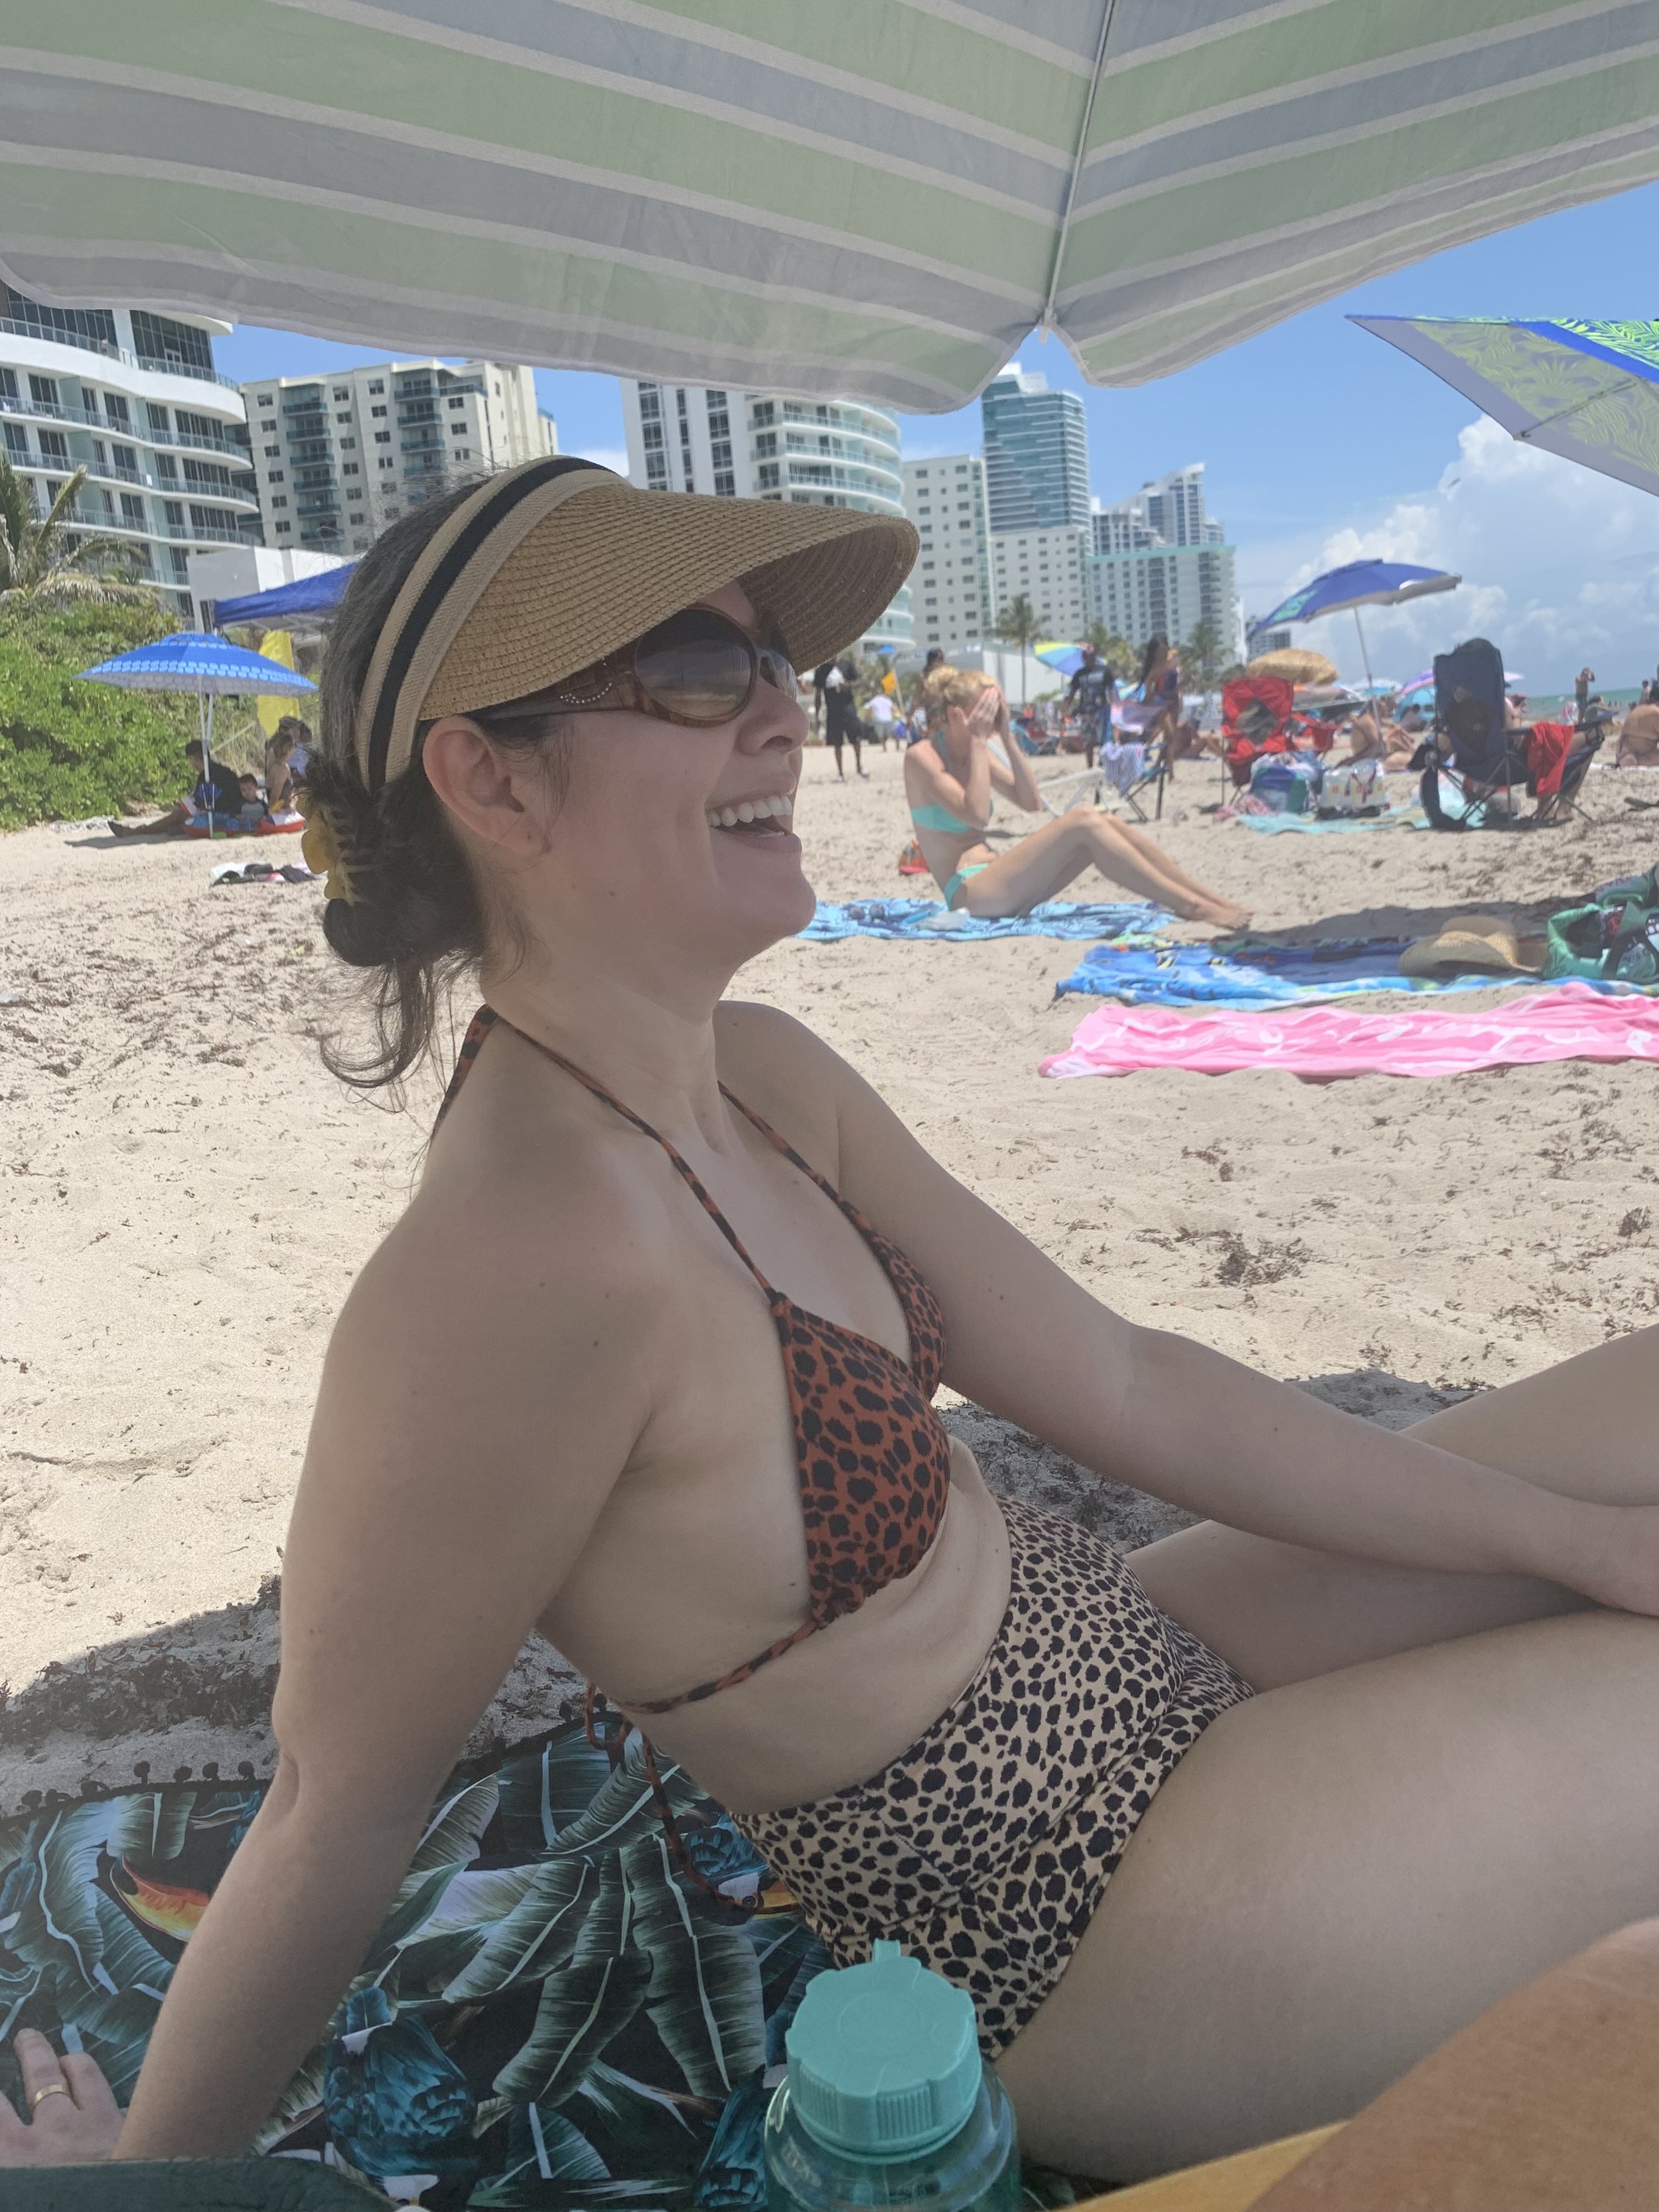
{"type": "Point", "coordinates": [1337, 1876]}
{"type": "Point", "coordinates": [1588, 1427]}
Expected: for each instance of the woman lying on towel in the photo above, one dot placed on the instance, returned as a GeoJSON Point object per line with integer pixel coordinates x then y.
{"type": "Point", "coordinates": [1220, 1838]}
{"type": "Point", "coordinates": [950, 777]}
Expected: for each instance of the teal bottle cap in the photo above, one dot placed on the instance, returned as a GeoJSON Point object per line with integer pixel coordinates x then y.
{"type": "Point", "coordinates": [883, 2059]}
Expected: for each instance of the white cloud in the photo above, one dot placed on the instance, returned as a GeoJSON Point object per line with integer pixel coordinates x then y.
{"type": "Point", "coordinates": [608, 457]}
{"type": "Point", "coordinates": [1560, 567]}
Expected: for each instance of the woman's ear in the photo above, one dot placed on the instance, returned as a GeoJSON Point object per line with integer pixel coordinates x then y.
{"type": "Point", "coordinates": [495, 794]}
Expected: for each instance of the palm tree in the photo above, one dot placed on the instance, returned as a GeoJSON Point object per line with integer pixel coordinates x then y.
{"type": "Point", "coordinates": [1017, 624]}
{"type": "Point", "coordinates": [1116, 652]}
{"type": "Point", "coordinates": [42, 560]}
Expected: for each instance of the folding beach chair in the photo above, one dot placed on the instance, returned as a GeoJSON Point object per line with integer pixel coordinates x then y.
{"type": "Point", "coordinates": [1474, 765]}
{"type": "Point", "coordinates": [1257, 715]}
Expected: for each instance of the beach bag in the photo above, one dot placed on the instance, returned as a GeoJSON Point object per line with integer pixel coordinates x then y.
{"type": "Point", "coordinates": [1611, 938]}
{"type": "Point", "coordinates": [1286, 783]}
{"type": "Point", "coordinates": [1353, 789]}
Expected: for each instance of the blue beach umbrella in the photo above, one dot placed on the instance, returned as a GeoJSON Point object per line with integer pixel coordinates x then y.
{"type": "Point", "coordinates": [195, 660]}
{"type": "Point", "coordinates": [1067, 659]}
{"type": "Point", "coordinates": [1360, 584]}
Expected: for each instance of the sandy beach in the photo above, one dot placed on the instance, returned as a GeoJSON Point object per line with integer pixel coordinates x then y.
{"type": "Point", "coordinates": [190, 1195]}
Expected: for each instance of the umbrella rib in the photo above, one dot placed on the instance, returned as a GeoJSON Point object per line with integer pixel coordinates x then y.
{"type": "Point", "coordinates": [1045, 320]}
{"type": "Point", "coordinates": [1577, 407]}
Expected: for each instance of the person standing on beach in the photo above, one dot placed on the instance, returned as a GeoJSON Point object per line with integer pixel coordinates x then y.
{"type": "Point", "coordinates": [1091, 689]}
{"type": "Point", "coordinates": [1581, 693]}
{"type": "Point", "coordinates": [842, 724]}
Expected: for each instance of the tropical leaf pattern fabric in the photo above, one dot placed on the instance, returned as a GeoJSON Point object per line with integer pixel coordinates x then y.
{"type": "Point", "coordinates": [1584, 389]}
{"type": "Point", "coordinates": [567, 2004]}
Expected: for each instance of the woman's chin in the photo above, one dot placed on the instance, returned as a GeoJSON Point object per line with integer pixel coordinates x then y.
{"type": "Point", "coordinates": [764, 888]}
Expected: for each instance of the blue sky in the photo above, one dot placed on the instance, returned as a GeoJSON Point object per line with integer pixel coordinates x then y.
{"type": "Point", "coordinates": [1321, 442]}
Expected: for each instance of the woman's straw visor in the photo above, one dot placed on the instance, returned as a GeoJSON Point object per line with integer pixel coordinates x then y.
{"type": "Point", "coordinates": [548, 568]}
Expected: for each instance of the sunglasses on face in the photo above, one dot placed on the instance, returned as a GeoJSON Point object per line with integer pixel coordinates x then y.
{"type": "Point", "coordinates": [697, 669]}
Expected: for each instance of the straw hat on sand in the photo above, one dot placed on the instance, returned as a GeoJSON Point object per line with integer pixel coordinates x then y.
{"type": "Point", "coordinates": [1475, 945]}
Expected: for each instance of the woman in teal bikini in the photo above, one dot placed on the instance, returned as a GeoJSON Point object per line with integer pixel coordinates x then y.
{"type": "Point", "coordinates": [950, 776]}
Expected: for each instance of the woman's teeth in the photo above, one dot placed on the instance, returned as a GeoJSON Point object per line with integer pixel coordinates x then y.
{"type": "Point", "coordinates": [751, 809]}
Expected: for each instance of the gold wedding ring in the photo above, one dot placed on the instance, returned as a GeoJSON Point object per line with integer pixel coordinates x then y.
{"type": "Point", "coordinates": [52, 2089]}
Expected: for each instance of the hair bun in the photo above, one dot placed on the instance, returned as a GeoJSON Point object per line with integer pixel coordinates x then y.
{"type": "Point", "coordinates": [360, 932]}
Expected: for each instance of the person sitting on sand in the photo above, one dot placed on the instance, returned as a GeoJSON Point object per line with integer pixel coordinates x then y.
{"type": "Point", "coordinates": [216, 792]}
{"type": "Point", "coordinates": [281, 778]}
{"type": "Point", "coordinates": [950, 777]}
{"type": "Point", "coordinates": [253, 812]}
{"type": "Point", "coordinates": [1219, 1837]}
{"type": "Point", "coordinates": [1638, 740]}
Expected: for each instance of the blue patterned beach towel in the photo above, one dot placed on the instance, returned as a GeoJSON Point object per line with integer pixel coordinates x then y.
{"type": "Point", "coordinates": [922, 919]}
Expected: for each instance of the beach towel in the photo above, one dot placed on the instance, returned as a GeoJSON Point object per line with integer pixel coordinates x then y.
{"type": "Point", "coordinates": [1306, 825]}
{"type": "Point", "coordinates": [1245, 972]}
{"type": "Point", "coordinates": [925, 918]}
{"type": "Point", "coordinates": [556, 2013]}
{"type": "Point", "coordinates": [1576, 1022]}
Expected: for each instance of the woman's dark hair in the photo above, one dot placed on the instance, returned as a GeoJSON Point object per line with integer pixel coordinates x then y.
{"type": "Point", "coordinates": [1156, 644]}
{"type": "Point", "coordinates": [417, 918]}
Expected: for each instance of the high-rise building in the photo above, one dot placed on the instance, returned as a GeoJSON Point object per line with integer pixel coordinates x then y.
{"type": "Point", "coordinates": [950, 601]}
{"type": "Point", "coordinates": [759, 444]}
{"type": "Point", "coordinates": [340, 457]}
{"type": "Point", "coordinates": [1049, 568]}
{"type": "Point", "coordinates": [1160, 565]}
{"type": "Point", "coordinates": [134, 399]}
{"type": "Point", "coordinates": [1036, 453]}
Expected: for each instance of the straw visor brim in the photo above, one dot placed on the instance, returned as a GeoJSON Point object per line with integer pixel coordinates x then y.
{"type": "Point", "coordinates": [602, 562]}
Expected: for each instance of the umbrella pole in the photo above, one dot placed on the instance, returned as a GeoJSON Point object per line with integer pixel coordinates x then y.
{"type": "Point", "coordinates": [1370, 688]}
{"type": "Point", "coordinates": [204, 726]}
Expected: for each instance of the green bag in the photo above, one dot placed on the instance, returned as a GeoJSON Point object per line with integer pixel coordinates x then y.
{"type": "Point", "coordinates": [1612, 938]}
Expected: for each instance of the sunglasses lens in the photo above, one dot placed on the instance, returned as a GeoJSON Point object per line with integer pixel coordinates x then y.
{"type": "Point", "coordinates": [696, 666]}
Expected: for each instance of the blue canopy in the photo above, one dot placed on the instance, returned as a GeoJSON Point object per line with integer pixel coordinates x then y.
{"type": "Point", "coordinates": [307, 595]}
{"type": "Point", "coordinates": [1360, 584]}
{"type": "Point", "coordinates": [196, 660]}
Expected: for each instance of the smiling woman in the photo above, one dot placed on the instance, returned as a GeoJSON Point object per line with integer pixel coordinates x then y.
{"type": "Point", "coordinates": [648, 1364]}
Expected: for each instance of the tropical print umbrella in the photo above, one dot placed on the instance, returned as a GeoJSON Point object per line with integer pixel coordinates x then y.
{"type": "Point", "coordinates": [1360, 584]}
{"type": "Point", "coordinates": [877, 197]}
{"type": "Point", "coordinates": [1589, 391]}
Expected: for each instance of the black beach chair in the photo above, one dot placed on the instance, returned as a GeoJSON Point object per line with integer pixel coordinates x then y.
{"type": "Point", "coordinates": [1472, 764]}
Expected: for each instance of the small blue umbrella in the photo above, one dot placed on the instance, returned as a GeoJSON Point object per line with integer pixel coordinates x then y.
{"type": "Point", "coordinates": [1360, 584]}
{"type": "Point", "coordinates": [196, 660]}
{"type": "Point", "coordinates": [1067, 659]}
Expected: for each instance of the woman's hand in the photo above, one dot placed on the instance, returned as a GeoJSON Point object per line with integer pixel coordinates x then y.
{"type": "Point", "coordinates": [71, 2118]}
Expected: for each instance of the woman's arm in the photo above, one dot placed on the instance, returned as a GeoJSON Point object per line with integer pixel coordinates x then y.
{"type": "Point", "coordinates": [1016, 780]}
{"type": "Point", "coordinates": [479, 1400]}
{"type": "Point", "coordinates": [1190, 1426]}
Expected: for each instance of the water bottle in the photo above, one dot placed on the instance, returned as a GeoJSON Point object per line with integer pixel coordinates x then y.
{"type": "Point", "coordinates": [888, 2101]}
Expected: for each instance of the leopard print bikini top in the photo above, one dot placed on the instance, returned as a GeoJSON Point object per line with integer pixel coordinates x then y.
{"type": "Point", "coordinates": [872, 1458]}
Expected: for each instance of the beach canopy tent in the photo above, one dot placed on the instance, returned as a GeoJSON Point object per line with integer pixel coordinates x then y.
{"type": "Point", "coordinates": [196, 660]}
{"type": "Point", "coordinates": [1588, 391]}
{"type": "Point", "coordinates": [1360, 584]}
{"type": "Point", "coordinates": [317, 596]}
{"type": "Point", "coordinates": [878, 197]}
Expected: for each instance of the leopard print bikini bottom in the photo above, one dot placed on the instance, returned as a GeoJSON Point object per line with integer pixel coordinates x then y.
{"type": "Point", "coordinates": [985, 1848]}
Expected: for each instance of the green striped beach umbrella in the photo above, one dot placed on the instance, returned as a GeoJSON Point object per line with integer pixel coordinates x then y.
{"type": "Point", "coordinates": [876, 196]}
{"type": "Point", "coordinates": [1587, 390]}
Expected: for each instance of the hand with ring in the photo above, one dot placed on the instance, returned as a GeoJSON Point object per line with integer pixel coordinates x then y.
{"type": "Point", "coordinates": [71, 2117]}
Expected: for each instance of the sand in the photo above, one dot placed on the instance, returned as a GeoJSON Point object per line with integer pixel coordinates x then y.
{"type": "Point", "coordinates": [191, 1194]}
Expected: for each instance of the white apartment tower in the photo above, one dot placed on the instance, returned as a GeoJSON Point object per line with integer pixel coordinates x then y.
{"type": "Point", "coordinates": [1049, 568]}
{"type": "Point", "coordinates": [950, 601]}
{"type": "Point", "coordinates": [134, 399]}
{"type": "Point", "coordinates": [758, 445]}
{"type": "Point", "coordinates": [1159, 565]}
{"type": "Point", "coordinates": [340, 457]}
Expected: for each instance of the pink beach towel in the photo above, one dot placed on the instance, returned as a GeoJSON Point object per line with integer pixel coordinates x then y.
{"type": "Point", "coordinates": [1574, 1023]}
